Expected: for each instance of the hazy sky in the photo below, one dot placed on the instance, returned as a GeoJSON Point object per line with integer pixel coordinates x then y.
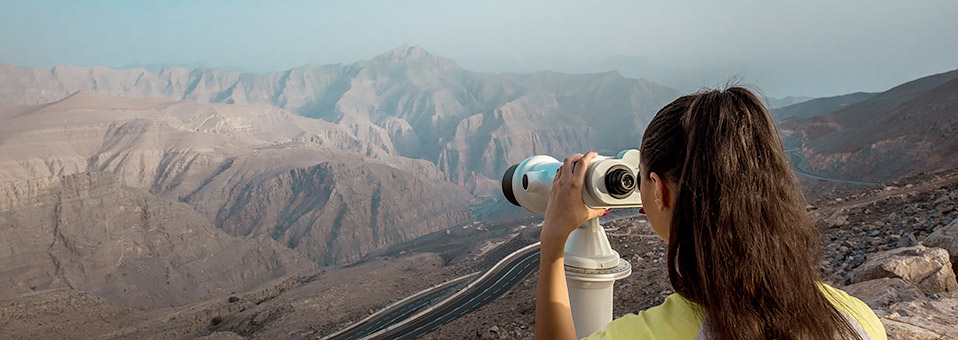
{"type": "Point", "coordinates": [808, 47]}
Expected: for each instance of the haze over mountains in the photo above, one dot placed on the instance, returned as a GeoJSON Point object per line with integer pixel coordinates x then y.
{"type": "Point", "coordinates": [389, 149]}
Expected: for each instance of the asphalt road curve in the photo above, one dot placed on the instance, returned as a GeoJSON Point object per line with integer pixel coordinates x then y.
{"type": "Point", "coordinates": [798, 163]}
{"type": "Point", "coordinates": [394, 314]}
{"type": "Point", "coordinates": [490, 286]}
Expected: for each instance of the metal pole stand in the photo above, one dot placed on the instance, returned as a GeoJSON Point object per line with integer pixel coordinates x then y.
{"type": "Point", "coordinates": [591, 267]}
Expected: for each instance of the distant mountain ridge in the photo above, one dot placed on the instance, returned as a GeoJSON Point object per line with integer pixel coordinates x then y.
{"type": "Point", "coordinates": [411, 103]}
{"type": "Point", "coordinates": [774, 103]}
{"type": "Point", "coordinates": [818, 106]}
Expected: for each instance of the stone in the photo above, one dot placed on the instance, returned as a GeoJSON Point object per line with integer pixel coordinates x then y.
{"type": "Point", "coordinates": [490, 333]}
{"type": "Point", "coordinates": [898, 330]}
{"type": "Point", "coordinates": [945, 238]}
{"type": "Point", "coordinates": [927, 268]}
{"type": "Point", "coordinates": [940, 201]}
{"type": "Point", "coordinates": [884, 291]}
{"type": "Point", "coordinates": [836, 220]}
{"type": "Point", "coordinates": [906, 241]}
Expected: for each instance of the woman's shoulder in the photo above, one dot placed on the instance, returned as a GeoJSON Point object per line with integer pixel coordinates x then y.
{"type": "Point", "coordinates": [676, 318]}
{"type": "Point", "coordinates": [856, 309]}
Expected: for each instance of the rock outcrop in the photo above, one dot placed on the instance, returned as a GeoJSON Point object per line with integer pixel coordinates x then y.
{"type": "Point", "coordinates": [337, 211]}
{"type": "Point", "coordinates": [945, 238]}
{"type": "Point", "coordinates": [86, 232]}
{"type": "Point", "coordinates": [927, 268]}
{"type": "Point", "coordinates": [884, 291]}
{"type": "Point", "coordinates": [932, 318]}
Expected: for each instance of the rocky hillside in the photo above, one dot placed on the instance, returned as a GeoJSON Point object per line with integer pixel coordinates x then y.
{"type": "Point", "coordinates": [292, 308]}
{"type": "Point", "coordinates": [909, 128]}
{"type": "Point", "coordinates": [406, 102]}
{"type": "Point", "coordinates": [255, 171]}
{"type": "Point", "coordinates": [87, 232]}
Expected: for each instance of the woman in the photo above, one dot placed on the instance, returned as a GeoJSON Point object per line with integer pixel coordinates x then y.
{"type": "Point", "coordinates": [743, 256]}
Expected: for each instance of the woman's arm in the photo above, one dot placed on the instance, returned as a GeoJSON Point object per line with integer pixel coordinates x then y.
{"type": "Point", "coordinates": [564, 212]}
{"type": "Point", "coordinates": [553, 313]}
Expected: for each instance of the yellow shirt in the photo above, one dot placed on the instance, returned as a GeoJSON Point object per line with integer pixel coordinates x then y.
{"type": "Point", "coordinates": [676, 319]}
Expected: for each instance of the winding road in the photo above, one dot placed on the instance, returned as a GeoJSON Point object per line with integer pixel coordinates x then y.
{"type": "Point", "coordinates": [798, 160]}
{"type": "Point", "coordinates": [398, 321]}
{"type": "Point", "coordinates": [397, 311]}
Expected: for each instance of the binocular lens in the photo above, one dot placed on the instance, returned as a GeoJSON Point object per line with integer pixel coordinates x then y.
{"type": "Point", "coordinates": [619, 181]}
{"type": "Point", "coordinates": [507, 185]}
{"type": "Point", "coordinates": [627, 181]}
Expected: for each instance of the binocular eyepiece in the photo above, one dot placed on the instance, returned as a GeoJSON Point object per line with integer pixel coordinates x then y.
{"type": "Point", "coordinates": [610, 182]}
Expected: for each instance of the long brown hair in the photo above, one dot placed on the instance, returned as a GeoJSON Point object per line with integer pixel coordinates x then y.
{"type": "Point", "coordinates": [741, 244]}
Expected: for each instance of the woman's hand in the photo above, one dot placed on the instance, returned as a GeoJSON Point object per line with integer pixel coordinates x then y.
{"type": "Point", "coordinates": [565, 210]}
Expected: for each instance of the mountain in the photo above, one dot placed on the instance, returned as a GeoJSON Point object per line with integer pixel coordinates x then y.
{"type": "Point", "coordinates": [818, 106]}
{"type": "Point", "coordinates": [909, 128]}
{"type": "Point", "coordinates": [406, 102]}
{"type": "Point", "coordinates": [85, 231]}
{"type": "Point", "coordinates": [774, 103]}
{"type": "Point", "coordinates": [252, 170]}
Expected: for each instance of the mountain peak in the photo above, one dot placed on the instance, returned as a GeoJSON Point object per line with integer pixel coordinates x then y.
{"type": "Point", "coordinates": [405, 52]}
{"type": "Point", "coordinates": [406, 56]}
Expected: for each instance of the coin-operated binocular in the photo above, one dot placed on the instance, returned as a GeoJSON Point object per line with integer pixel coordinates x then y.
{"type": "Point", "coordinates": [591, 266]}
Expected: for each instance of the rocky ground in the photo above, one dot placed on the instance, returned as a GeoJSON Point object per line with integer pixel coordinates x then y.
{"type": "Point", "coordinates": [894, 215]}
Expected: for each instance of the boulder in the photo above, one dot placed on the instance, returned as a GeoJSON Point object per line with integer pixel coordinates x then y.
{"type": "Point", "coordinates": [935, 317]}
{"type": "Point", "coordinates": [836, 219]}
{"type": "Point", "coordinates": [946, 238]}
{"type": "Point", "coordinates": [927, 268]}
{"type": "Point", "coordinates": [884, 291]}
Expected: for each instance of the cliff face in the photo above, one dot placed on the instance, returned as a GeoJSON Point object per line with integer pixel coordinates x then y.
{"type": "Point", "coordinates": [85, 231]}
{"type": "Point", "coordinates": [404, 102]}
{"type": "Point", "coordinates": [337, 211]}
{"type": "Point", "coordinates": [255, 171]}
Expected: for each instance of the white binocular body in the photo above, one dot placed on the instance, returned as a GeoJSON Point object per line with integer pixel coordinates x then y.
{"type": "Point", "coordinates": [610, 182]}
